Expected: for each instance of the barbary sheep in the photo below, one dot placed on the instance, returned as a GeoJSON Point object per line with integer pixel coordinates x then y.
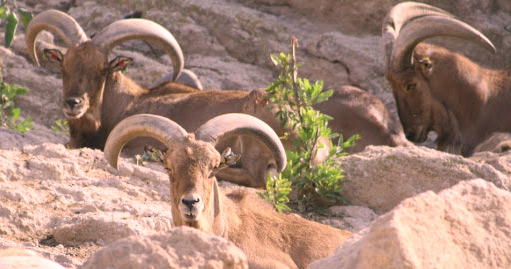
{"type": "Point", "coordinates": [97, 96]}
{"type": "Point", "coordinates": [440, 90]}
{"type": "Point", "coordinates": [269, 239]}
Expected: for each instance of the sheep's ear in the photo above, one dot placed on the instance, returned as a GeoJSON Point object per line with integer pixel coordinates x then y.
{"type": "Point", "coordinates": [229, 158]}
{"type": "Point", "coordinates": [53, 55]}
{"type": "Point", "coordinates": [119, 63]}
{"type": "Point", "coordinates": [153, 154]}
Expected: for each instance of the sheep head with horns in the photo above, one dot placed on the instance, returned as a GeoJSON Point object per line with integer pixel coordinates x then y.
{"type": "Point", "coordinates": [192, 160]}
{"type": "Point", "coordinates": [435, 89]}
{"type": "Point", "coordinates": [86, 67]}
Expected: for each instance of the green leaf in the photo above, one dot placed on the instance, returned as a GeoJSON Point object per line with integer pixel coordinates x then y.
{"type": "Point", "coordinates": [2, 13]}
{"type": "Point", "coordinates": [25, 16]}
{"type": "Point", "coordinates": [10, 28]}
{"type": "Point", "coordinates": [275, 59]}
{"type": "Point", "coordinates": [23, 126]}
{"type": "Point", "coordinates": [61, 126]}
{"type": "Point", "coordinates": [15, 113]}
{"type": "Point", "coordinates": [325, 95]}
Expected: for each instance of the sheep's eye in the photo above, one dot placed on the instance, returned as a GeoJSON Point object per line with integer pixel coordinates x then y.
{"type": "Point", "coordinates": [410, 87]}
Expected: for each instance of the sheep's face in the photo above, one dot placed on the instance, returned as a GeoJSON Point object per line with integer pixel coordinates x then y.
{"type": "Point", "coordinates": [84, 72]}
{"type": "Point", "coordinates": [413, 103]}
{"type": "Point", "coordinates": [191, 167]}
{"type": "Point", "coordinates": [422, 90]}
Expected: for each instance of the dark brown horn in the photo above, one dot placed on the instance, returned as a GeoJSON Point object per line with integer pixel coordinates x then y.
{"type": "Point", "coordinates": [430, 26]}
{"type": "Point", "coordinates": [235, 124]}
{"type": "Point", "coordinates": [160, 128]}
{"type": "Point", "coordinates": [57, 21]}
{"type": "Point", "coordinates": [128, 29]}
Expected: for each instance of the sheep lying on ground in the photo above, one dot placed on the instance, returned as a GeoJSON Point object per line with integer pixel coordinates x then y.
{"type": "Point", "coordinates": [97, 96]}
{"type": "Point", "coordinates": [440, 90]}
{"type": "Point", "coordinates": [269, 239]}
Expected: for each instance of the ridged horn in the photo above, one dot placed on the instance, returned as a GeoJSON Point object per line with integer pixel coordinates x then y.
{"type": "Point", "coordinates": [234, 124]}
{"type": "Point", "coordinates": [58, 22]}
{"type": "Point", "coordinates": [401, 14]}
{"type": "Point", "coordinates": [160, 128]}
{"type": "Point", "coordinates": [430, 26]}
{"type": "Point", "coordinates": [128, 29]}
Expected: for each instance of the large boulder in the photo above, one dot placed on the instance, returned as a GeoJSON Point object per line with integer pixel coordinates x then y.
{"type": "Point", "coordinates": [182, 247]}
{"type": "Point", "coordinates": [466, 226]}
{"type": "Point", "coordinates": [381, 177]}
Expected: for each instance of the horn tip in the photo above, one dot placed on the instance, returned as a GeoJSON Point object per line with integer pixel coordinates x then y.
{"type": "Point", "coordinates": [112, 162]}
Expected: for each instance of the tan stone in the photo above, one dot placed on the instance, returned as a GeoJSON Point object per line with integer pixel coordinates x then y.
{"type": "Point", "coordinates": [381, 177]}
{"type": "Point", "coordinates": [182, 247]}
{"type": "Point", "coordinates": [466, 226]}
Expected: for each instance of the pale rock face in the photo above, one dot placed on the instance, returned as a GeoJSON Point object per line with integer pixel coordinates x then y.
{"type": "Point", "coordinates": [181, 247]}
{"type": "Point", "coordinates": [466, 226]}
{"type": "Point", "coordinates": [13, 258]}
{"type": "Point", "coordinates": [381, 177]}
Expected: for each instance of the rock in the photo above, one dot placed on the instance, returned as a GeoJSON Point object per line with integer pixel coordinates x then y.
{"type": "Point", "coordinates": [381, 177]}
{"type": "Point", "coordinates": [466, 226]}
{"type": "Point", "coordinates": [49, 192]}
{"type": "Point", "coordinates": [351, 218]}
{"type": "Point", "coordinates": [13, 258]}
{"type": "Point", "coordinates": [103, 228]}
{"type": "Point", "coordinates": [182, 247]}
{"type": "Point", "coordinates": [28, 262]}
{"type": "Point", "coordinates": [498, 143]}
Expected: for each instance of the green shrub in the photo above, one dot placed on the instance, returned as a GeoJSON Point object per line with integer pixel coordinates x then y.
{"type": "Point", "coordinates": [9, 113]}
{"type": "Point", "coordinates": [277, 192]}
{"type": "Point", "coordinates": [61, 126]}
{"type": "Point", "coordinates": [11, 20]}
{"type": "Point", "coordinates": [295, 97]}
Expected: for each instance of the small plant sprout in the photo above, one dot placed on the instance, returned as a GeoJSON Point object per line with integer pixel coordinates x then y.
{"type": "Point", "coordinates": [9, 113]}
{"type": "Point", "coordinates": [61, 126]}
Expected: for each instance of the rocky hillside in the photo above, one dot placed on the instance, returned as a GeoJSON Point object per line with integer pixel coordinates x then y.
{"type": "Point", "coordinates": [67, 205]}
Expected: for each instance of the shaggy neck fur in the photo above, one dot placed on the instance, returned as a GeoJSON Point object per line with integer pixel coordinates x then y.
{"type": "Point", "coordinates": [83, 131]}
{"type": "Point", "coordinates": [92, 129]}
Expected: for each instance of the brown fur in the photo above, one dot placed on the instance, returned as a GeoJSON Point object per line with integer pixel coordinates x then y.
{"type": "Point", "coordinates": [358, 111]}
{"type": "Point", "coordinates": [120, 97]}
{"type": "Point", "coordinates": [108, 97]}
{"type": "Point", "coordinates": [453, 96]}
{"type": "Point", "coordinates": [269, 239]}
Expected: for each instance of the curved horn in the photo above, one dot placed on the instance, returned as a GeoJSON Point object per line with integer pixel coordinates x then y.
{"type": "Point", "coordinates": [57, 21]}
{"type": "Point", "coordinates": [242, 124]}
{"type": "Point", "coordinates": [160, 128]}
{"type": "Point", "coordinates": [124, 30]}
{"type": "Point", "coordinates": [401, 14]}
{"type": "Point", "coordinates": [430, 26]}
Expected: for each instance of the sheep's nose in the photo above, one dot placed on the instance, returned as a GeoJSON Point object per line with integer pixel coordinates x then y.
{"type": "Point", "coordinates": [190, 202]}
{"type": "Point", "coordinates": [71, 102]}
{"type": "Point", "coordinates": [410, 135]}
